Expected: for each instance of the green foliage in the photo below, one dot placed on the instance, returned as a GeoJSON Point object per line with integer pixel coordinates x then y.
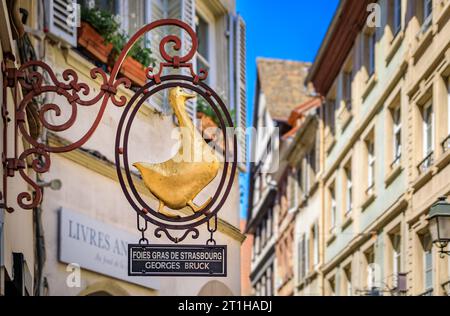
{"type": "Point", "coordinates": [109, 28]}
{"type": "Point", "coordinates": [205, 108]}
{"type": "Point", "coordinates": [103, 22]}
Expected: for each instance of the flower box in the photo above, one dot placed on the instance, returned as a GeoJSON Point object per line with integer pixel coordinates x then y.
{"type": "Point", "coordinates": [93, 42]}
{"type": "Point", "coordinates": [134, 70]}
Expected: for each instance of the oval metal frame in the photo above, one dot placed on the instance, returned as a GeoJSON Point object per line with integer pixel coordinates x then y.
{"type": "Point", "coordinates": [121, 151]}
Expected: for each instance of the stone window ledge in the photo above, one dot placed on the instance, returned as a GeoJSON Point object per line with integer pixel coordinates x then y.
{"type": "Point", "coordinates": [394, 46]}
{"type": "Point", "coordinates": [393, 174]}
{"type": "Point", "coordinates": [370, 84]}
{"type": "Point", "coordinates": [369, 199]}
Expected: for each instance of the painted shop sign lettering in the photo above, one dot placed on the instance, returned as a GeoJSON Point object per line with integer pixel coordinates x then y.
{"type": "Point", "coordinates": [97, 246]}
{"type": "Point", "coordinates": [176, 260]}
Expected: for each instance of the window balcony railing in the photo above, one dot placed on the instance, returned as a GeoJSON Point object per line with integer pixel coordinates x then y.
{"type": "Point", "coordinates": [446, 144]}
{"type": "Point", "coordinates": [426, 163]}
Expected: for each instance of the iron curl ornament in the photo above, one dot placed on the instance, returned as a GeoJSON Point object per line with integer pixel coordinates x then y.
{"type": "Point", "coordinates": [32, 78]}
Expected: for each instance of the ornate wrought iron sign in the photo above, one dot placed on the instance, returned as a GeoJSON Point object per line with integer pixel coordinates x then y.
{"type": "Point", "coordinates": [174, 183]}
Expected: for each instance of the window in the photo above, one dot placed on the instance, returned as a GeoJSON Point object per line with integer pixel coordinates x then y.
{"type": "Point", "coordinates": [300, 178]}
{"type": "Point", "coordinates": [312, 163]}
{"type": "Point", "coordinates": [370, 46]}
{"type": "Point", "coordinates": [427, 262]}
{"type": "Point", "coordinates": [427, 138]}
{"type": "Point", "coordinates": [330, 115]}
{"type": "Point", "coordinates": [396, 257]}
{"type": "Point", "coordinates": [347, 89]}
{"type": "Point", "coordinates": [263, 232]}
{"type": "Point", "coordinates": [428, 130]}
{"type": "Point", "coordinates": [315, 246]}
{"type": "Point", "coordinates": [269, 224]}
{"type": "Point", "coordinates": [305, 174]}
{"type": "Point", "coordinates": [302, 257]}
{"type": "Point", "coordinates": [333, 208]}
{"type": "Point", "coordinates": [202, 30]}
{"type": "Point", "coordinates": [371, 268]}
{"type": "Point", "coordinates": [397, 16]}
{"type": "Point", "coordinates": [132, 16]}
{"type": "Point", "coordinates": [349, 189]}
{"type": "Point", "coordinates": [136, 16]}
{"type": "Point", "coordinates": [397, 135]}
{"type": "Point", "coordinates": [448, 105]}
{"type": "Point", "coordinates": [370, 165]}
{"type": "Point", "coordinates": [293, 190]}
{"type": "Point", "coordinates": [427, 13]}
{"type": "Point", "coordinates": [446, 142]}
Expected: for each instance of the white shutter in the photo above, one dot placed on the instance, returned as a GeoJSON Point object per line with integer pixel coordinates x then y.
{"type": "Point", "coordinates": [240, 89]}
{"type": "Point", "coordinates": [61, 20]}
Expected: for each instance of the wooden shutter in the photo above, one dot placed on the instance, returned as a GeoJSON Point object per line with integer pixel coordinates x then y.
{"type": "Point", "coordinates": [241, 90]}
{"type": "Point", "coordinates": [60, 19]}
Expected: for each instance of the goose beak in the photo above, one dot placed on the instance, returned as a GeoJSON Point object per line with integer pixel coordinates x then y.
{"type": "Point", "coordinates": [188, 95]}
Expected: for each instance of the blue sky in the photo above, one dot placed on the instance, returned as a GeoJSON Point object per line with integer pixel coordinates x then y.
{"type": "Point", "coordinates": [285, 29]}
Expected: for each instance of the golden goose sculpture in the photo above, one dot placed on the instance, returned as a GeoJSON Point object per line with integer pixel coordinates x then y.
{"type": "Point", "coordinates": [176, 182]}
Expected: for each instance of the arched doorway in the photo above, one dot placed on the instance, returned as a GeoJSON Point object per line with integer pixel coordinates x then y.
{"type": "Point", "coordinates": [215, 288]}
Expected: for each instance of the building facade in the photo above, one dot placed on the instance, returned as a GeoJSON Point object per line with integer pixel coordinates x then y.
{"type": "Point", "coordinates": [385, 119]}
{"type": "Point", "coordinates": [276, 96]}
{"type": "Point", "coordinates": [90, 202]}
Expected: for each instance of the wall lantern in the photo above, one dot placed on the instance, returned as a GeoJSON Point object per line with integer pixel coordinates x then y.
{"type": "Point", "coordinates": [439, 218]}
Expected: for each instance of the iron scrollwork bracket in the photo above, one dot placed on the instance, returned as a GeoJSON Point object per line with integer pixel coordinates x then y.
{"type": "Point", "coordinates": [36, 78]}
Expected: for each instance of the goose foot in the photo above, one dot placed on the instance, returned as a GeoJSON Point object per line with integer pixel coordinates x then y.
{"type": "Point", "coordinates": [162, 211]}
{"type": "Point", "coordinates": [196, 208]}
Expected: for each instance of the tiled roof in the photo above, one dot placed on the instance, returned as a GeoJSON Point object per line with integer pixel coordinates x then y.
{"type": "Point", "coordinates": [282, 82]}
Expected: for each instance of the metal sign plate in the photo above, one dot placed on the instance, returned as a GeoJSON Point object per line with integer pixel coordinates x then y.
{"type": "Point", "coordinates": [177, 260]}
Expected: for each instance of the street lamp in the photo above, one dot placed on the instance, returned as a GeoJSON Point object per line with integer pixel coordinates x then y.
{"type": "Point", "coordinates": [439, 219]}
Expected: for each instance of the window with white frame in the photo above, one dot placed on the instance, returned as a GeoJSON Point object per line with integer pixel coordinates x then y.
{"type": "Point", "coordinates": [136, 15]}
{"type": "Point", "coordinates": [371, 268]}
{"type": "Point", "coordinates": [446, 144]}
{"type": "Point", "coordinates": [347, 89]}
{"type": "Point", "coordinates": [428, 130]}
{"type": "Point", "coordinates": [370, 165]}
{"type": "Point", "coordinates": [396, 257]}
{"type": "Point", "coordinates": [306, 175]}
{"type": "Point", "coordinates": [349, 189]}
{"type": "Point", "coordinates": [202, 28]}
{"type": "Point", "coordinates": [333, 208]}
{"type": "Point", "coordinates": [302, 257]}
{"type": "Point", "coordinates": [397, 134]}
{"type": "Point", "coordinates": [315, 236]}
{"type": "Point", "coordinates": [293, 190]}
{"type": "Point", "coordinates": [427, 262]}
